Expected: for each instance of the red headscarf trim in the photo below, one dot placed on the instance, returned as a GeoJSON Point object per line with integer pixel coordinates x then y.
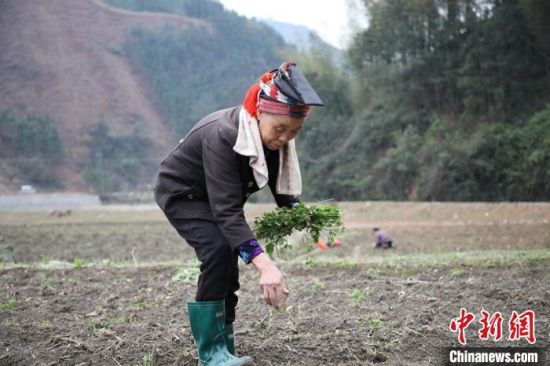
{"type": "Point", "coordinates": [250, 102]}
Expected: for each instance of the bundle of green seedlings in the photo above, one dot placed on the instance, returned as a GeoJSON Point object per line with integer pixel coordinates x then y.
{"type": "Point", "coordinates": [273, 228]}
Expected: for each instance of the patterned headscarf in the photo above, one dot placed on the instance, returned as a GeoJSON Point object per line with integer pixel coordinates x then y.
{"type": "Point", "coordinates": [265, 96]}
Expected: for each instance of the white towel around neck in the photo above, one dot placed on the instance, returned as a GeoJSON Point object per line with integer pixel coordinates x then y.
{"type": "Point", "coordinates": [249, 143]}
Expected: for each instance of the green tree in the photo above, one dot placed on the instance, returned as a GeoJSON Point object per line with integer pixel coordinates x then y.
{"type": "Point", "coordinates": [447, 91]}
{"type": "Point", "coordinates": [117, 162]}
{"type": "Point", "coordinates": [33, 145]}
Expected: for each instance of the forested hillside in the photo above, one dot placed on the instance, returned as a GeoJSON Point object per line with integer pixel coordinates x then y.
{"type": "Point", "coordinates": [196, 72]}
{"type": "Point", "coordinates": [442, 100]}
{"type": "Point", "coordinates": [450, 101]}
{"type": "Point", "coordinates": [62, 72]}
{"type": "Point", "coordinates": [437, 100]}
{"type": "Point", "coordinates": [101, 75]}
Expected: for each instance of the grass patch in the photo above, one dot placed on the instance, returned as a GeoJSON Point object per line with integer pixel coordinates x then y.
{"type": "Point", "coordinates": [407, 265]}
{"type": "Point", "coordinates": [8, 305]}
{"type": "Point", "coordinates": [456, 272]}
{"type": "Point", "coordinates": [403, 265]}
{"type": "Point", "coordinates": [148, 360]}
{"type": "Point", "coordinates": [45, 260]}
{"type": "Point", "coordinates": [55, 264]}
{"type": "Point", "coordinates": [347, 264]}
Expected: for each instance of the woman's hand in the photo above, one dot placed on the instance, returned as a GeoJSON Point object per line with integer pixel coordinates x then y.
{"type": "Point", "coordinates": [271, 281]}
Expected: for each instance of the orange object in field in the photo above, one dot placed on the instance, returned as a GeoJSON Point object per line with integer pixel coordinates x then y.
{"type": "Point", "coordinates": [322, 245]}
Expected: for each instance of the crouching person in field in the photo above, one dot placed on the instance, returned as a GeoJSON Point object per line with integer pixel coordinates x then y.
{"type": "Point", "coordinates": [381, 239]}
{"type": "Point", "coordinates": [202, 187]}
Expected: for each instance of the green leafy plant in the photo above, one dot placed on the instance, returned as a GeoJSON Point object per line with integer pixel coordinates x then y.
{"type": "Point", "coordinates": [319, 285]}
{"type": "Point", "coordinates": [456, 272]}
{"type": "Point", "coordinates": [122, 320]}
{"type": "Point", "coordinates": [186, 352]}
{"type": "Point", "coordinates": [47, 283]}
{"type": "Point", "coordinates": [45, 324]}
{"type": "Point", "coordinates": [97, 324]}
{"type": "Point", "coordinates": [79, 263]}
{"type": "Point", "coordinates": [376, 323]}
{"type": "Point", "coordinates": [357, 296]}
{"type": "Point", "coordinates": [142, 304]}
{"type": "Point", "coordinates": [308, 262]}
{"type": "Point", "coordinates": [274, 227]}
{"type": "Point", "coordinates": [190, 273]}
{"type": "Point", "coordinates": [148, 360]}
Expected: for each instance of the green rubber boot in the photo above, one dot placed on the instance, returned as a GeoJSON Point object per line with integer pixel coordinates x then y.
{"type": "Point", "coordinates": [207, 324]}
{"type": "Point", "coordinates": [229, 336]}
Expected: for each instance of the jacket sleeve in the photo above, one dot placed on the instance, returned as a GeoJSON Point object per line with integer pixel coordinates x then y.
{"type": "Point", "coordinates": [223, 184]}
{"type": "Point", "coordinates": [282, 200]}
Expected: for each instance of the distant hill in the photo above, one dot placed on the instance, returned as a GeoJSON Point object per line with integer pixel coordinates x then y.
{"type": "Point", "coordinates": [62, 58]}
{"type": "Point", "coordinates": [304, 39]}
{"type": "Point", "coordinates": [297, 35]}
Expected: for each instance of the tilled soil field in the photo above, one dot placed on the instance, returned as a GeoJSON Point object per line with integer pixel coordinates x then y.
{"type": "Point", "coordinates": [339, 314]}
{"type": "Point", "coordinates": [109, 288]}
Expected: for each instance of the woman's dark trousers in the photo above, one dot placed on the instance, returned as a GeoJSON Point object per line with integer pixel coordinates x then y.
{"type": "Point", "coordinates": [219, 278]}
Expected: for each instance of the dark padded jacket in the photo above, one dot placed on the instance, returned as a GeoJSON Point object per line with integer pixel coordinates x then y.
{"type": "Point", "coordinates": [203, 178]}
